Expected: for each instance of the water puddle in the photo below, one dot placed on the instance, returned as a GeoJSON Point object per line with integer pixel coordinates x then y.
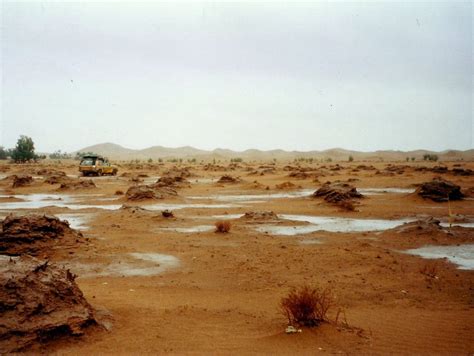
{"type": "Point", "coordinates": [377, 191]}
{"type": "Point", "coordinates": [255, 198]}
{"type": "Point", "coordinates": [287, 230]}
{"type": "Point", "coordinates": [224, 216]}
{"type": "Point", "coordinates": [189, 206]}
{"type": "Point", "coordinates": [38, 201]}
{"type": "Point", "coordinates": [185, 230]}
{"type": "Point", "coordinates": [337, 224]}
{"type": "Point", "coordinates": [462, 256]}
{"type": "Point", "coordinates": [76, 221]}
{"type": "Point", "coordinates": [128, 265]}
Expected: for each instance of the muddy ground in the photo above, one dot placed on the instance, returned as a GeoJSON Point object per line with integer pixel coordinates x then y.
{"type": "Point", "coordinates": [174, 285]}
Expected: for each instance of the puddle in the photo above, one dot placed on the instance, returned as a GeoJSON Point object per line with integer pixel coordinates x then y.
{"type": "Point", "coordinates": [470, 225]}
{"type": "Point", "coordinates": [205, 180]}
{"type": "Point", "coordinates": [184, 230]}
{"type": "Point", "coordinates": [189, 206]}
{"type": "Point", "coordinates": [462, 256]}
{"type": "Point", "coordinates": [311, 242]}
{"type": "Point", "coordinates": [287, 230]}
{"type": "Point", "coordinates": [129, 265]}
{"type": "Point", "coordinates": [223, 217]}
{"type": "Point", "coordinates": [76, 221]}
{"type": "Point", "coordinates": [38, 201]}
{"type": "Point", "coordinates": [255, 198]}
{"type": "Point", "coordinates": [336, 224]}
{"type": "Point", "coordinates": [377, 191]}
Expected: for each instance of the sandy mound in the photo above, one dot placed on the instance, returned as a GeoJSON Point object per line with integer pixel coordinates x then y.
{"type": "Point", "coordinates": [78, 184]}
{"type": "Point", "coordinates": [21, 181]}
{"type": "Point", "coordinates": [337, 192]}
{"type": "Point", "coordinates": [34, 234]}
{"type": "Point", "coordinates": [229, 179]}
{"type": "Point", "coordinates": [57, 179]}
{"type": "Point", "coordinates": [419, 227]}
{"type": "Point", "coordinates": [145, 192]}
{"type": "Point", "coordinates": [259, 216]}
{"type": "Point", "coordinates": [440, 190]}
{"type": "Point", "coordinates": [286, 185]}
{"type": "Point", "coordinates": [50, 172]}
{"type": "Point", "coordinates": [39, 302]}
{"type": "Point", "coordinates": [179, 172]}
{"type": "Point", "coordinates": [172, 181]}
{"type": "Point", "coordinates": [462, 172]}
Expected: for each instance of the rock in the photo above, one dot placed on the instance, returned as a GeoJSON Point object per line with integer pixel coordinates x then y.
{"type": "Point", "coordinates": [440, 190]}
{"type": "Point", "coordinates": [78, 184]}
{"type": "Point", "coordinates": [229, 179]}
{"type": "Point", "coordinates": [337, 192]}
{"type": "Point", "coordinates": [21, 181]}
{"type": "Point", "coordinates": [39, 302]}
{"type": "Point", "coordinates": [167, 214]}
{"type": "Point", "coordinates": [34, 234]}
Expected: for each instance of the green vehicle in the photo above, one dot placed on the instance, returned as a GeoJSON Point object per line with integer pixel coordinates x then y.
{"type": "Point", "coordinates": [97, 166]}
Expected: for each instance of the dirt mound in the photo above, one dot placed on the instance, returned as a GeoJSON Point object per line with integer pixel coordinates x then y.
{"type": "Point", "coordinates": [134, 209]}
{"type": "Point", "coordinates": [337, 192]}
{"type": "Point", "coordinates": [426, 226]}
{"type": "Point", "coordinates": [179, 172]}
{"type": "Point", "coordinates": [34, 234]}
{"type": "Point", "coordinates": [260, 215]}
{"type": "Point", "coordinates": [229, 179]}
{"type": "Point", "coordinates": [440, 190]}
{"type": "Point", "coordinates": [50, 172]}
{"type": "Point", "coordinates": [39, 302]}
{"type": "Point", "coordinates": [172, 181]}
{"type": "Point", "coordinates": [78, 184]}
{"type": "Point", "coordinates": [57, 179]}
{"type": "Point", "coordinates": [286, 185]}
{"type": "Point", "coordinates": [462, 172]}
{"type": "Point", "coordinates": [145, 192]}
{"type": "Point", "coordinates": [21, 181]}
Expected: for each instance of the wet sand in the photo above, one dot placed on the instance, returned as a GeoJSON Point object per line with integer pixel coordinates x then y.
{"type": "Point", "coordinates": [176, 286]}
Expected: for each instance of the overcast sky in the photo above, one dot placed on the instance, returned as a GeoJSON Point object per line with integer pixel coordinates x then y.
{"type": "Point", "coordinates": [357, 75]}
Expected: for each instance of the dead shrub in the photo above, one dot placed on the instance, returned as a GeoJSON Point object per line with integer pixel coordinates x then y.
{"type": "Point", "coordinates": [222, 226]}
{"type": "Point", "coordinates": [307, 306]}
{"type": "Point", "coordinates": [430, 269]}
{"type": "Point", "coordinates": [118, 192]}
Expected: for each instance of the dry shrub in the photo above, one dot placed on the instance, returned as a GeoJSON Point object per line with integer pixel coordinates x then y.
{"type": "Point", "coordinates": [167, 214]}
{"type": "Point", "coordinates": [222, 226]}
{"type": "Point", "coordinates": [430, 269]}
{"type": "Point", "coordinates": [307, 306]}
{"type": "Point", "coordinates": [118, 192]}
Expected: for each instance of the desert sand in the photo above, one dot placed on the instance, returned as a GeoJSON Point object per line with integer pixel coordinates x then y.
{"type": "Point", "coordinates": [173, 285]}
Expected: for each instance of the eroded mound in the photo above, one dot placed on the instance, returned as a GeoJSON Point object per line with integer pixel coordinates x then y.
{"type": "Point", "coordinates": [78, 184]}
{"type": "Point", "coordinates": [35, 234]}
{"type": "Point", "coordinates": [337, 192]}
{"type": "Point", "coordinates": [172, 181]}
{"type": "Point", "coordinates": [39, 302]}
{"type": "Point", "coordinates": [286, 185]}
{"type": "Point", "coordinates": [259, 215]}
{"type": "Point", "coordinates": [145, 192]}
{"type": "Point", "coordinates": [426, 226]}
{"type": "Point", "coordinates": [440, 190]}
{"type": "Point", "coordinates": [229, 179]}
{"type": "Point", "coordinates": [21, 181]}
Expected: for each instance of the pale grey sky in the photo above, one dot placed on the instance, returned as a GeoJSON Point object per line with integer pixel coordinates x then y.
{"type": "Point", "coordinates": [314, 75]}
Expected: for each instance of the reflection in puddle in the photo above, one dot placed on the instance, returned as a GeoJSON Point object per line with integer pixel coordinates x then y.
{"type": "Point", "coordinates": [38, 201]}
{"type": "Point", "coordinates": [256, 198]}
{"type": "Point", "coordinates": [199, 228]}
{"type": "Point", "coordinates": [376, 191]}
{"type": "Point", "coordinates": [76, 221]}
{"type": "Point", "coordinates": [189, 206]}
{"type": "Point", "coordinates": [462, 255]}
{"type": "Point", "coordinates": [129, 265]}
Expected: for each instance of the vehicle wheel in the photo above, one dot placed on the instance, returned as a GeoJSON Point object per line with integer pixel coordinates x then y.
{"type": "Point", "coordinates": [99, 173]}
{"type": "Point", "coordinates": [114, 172]}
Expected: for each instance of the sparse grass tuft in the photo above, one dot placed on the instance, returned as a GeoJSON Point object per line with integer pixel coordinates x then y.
{"type": "Point", "coordinates": [222, 226]}
{"type": "Point", "coordinates": [307, 306]}
{"type": "Point", "coordinates": [430, 269]}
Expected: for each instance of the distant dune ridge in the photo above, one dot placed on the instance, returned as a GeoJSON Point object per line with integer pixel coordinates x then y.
{"type": "Point", "coordinates": [117, 152]}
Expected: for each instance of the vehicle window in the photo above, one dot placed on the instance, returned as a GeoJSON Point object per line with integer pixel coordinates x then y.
{"type": "Point", "coordinates": [87, 162]}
